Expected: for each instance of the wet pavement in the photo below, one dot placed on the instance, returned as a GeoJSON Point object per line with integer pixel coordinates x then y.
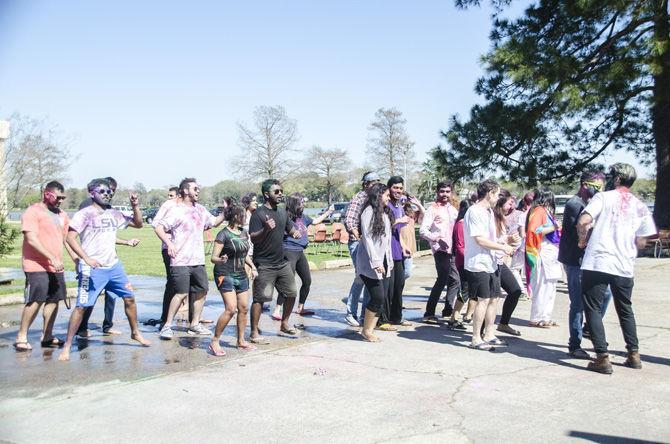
{"type": "Point", "coordinates": [103, 358]}
{"type": "Point", "coordinates": [420, 384]}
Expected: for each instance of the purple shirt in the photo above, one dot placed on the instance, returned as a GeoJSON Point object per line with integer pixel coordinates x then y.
{"type": "Point", "coordinates": [396, 249]}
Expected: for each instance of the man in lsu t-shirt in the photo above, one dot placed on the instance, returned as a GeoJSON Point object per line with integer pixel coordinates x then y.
{"type": "Point", "coordinates": [99, 267]}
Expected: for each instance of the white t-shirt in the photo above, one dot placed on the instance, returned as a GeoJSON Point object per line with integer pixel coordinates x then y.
{"type": "Point", "coordinates": [97, 231]}
{"type": "Point", "coordinates": [479, 221]}
{"type": "Point", "coordinates": [619, 217]}
{"type": "Point", "coordinates": [186, 224]}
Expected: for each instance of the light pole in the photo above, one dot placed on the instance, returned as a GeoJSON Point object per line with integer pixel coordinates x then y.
{"type": "Point", "coordinates": [4, 135]}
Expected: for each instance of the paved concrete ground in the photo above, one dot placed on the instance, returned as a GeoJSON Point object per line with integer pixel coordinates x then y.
{"type": "Point", "coordinates": [421, 384]}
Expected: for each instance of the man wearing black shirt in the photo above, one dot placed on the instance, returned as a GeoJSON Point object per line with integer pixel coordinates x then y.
{"type": "Point", "coordinates": [570, 255]}
{"type": "Point", "coordinates": [266, 230]}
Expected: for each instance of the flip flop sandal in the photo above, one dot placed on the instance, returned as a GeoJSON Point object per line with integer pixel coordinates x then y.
{"type": "Point", "coordinates": [276, 318]}
{"type": "Point", "coordinates": [540, 324]}
{"type": "Point", "coordinates": [53, 343]}
{"type": "Point", "coordinates": [299, 326]}
{"type": "Point", "coordinates": [430, 320]}
{"type": "Point", "coordinates": [484, 346]}
{"type": "Point", "coordinates": [306, 313]}
{"type": "Point", "coordinates": [456, 326]}
{"type": "Point", "coordinates": [366, 339]}
{"type": "Point", "coordinates": [247, 347]}
{"type": "Point", "coordinates": [206, 321]}
{"type": "Point", "coordinates": [289, 331]}
{"type": "Point", "coordinates": [497, 341]}
{"type": "Point", "coordinates": [215, 353]}
{"type": "Point", "coordinates": [260, 340]}
{"type": "Point", "coordinates": [507, 329]}
{"type": "Point", "coordinates": [22, 346]}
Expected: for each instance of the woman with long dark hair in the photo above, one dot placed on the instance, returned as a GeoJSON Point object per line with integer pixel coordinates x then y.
{"type": "Point", "coordinates": [542, 267]}
{"type": "Point", "coordinates": [504, 206]}
{"type": "Point", "coordinates": [294, 251]}
{"type": "Point", "coordinates": [374, 260]}
{"type": "Point", "coordinates": [230, 260]}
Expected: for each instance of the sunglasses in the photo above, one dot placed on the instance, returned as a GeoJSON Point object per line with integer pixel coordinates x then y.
{"type": "Point", "coordinates": [278, 191]}
{"type": "Point", "coordinates": [598, 186]}
{"type": "Point", "coordinates": [61, 198]}
{"type": "Point", "coordinates": [106, 191]}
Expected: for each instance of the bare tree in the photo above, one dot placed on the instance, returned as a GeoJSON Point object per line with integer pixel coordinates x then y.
{"type": "Point", "coordinates": [267, 144]}
{"type": "Point", "coordinates": [389, 147]}
{"type": "Point", "coordinates": [36, 154]}
{"type": "Point", "coordinates": [330, 165]}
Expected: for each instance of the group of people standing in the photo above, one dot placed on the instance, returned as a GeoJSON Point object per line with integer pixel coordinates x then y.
{"type": "Point", "coordinates": [480, 246]}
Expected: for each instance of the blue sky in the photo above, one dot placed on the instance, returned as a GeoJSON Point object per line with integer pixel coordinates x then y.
{"type": "Point", "coordinates": [151, 90]}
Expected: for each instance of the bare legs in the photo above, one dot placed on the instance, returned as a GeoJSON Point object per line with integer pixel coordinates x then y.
{"type": "Point", "coordinates": [78, 314]}
{"type": "Point", "coordinates": [234, 303]}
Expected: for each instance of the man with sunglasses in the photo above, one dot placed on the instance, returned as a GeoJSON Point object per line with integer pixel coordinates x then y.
{"type": "Point", "coordinates": [181, 228]}
{"type": "Point", "coordinates": [266, 230]}
{"type": "Point", "coordinates": [110, 302]}
{"type": "Point", "coordinates": [44, 227]}
{"type": "Point", "coordinates": [570, 255]}
{"type": "Point", "coordinates": [99, 267]}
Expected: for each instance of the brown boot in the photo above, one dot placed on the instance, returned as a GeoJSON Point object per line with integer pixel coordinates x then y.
{"type": "Point", "coordinates": [601, 364]}
{"type": "Point", "coordinates": [633, 360]}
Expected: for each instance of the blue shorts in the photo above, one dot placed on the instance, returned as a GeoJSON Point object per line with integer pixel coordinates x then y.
{"type": "Point", "coordinates": [227, 284]}
{"type": "Point", "coordinates": [93, 280]}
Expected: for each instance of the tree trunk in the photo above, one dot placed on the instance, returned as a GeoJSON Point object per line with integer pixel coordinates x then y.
{"type": "Point", "coordinates": [661, 116]}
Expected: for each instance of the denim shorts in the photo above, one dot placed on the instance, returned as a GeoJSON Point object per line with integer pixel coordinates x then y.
{"type": "Point", "coordinates": [226, 284]}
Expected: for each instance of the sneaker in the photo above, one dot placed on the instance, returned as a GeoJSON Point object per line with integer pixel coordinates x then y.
{"type": "Point", "coordinates": [351, 320]}
{"type": "Point", "coordinates": [579, 353]}
{"type": "Point", "coordinates": [199, 330]}
{"type": "Point", "coordinates": [633, 360]}
{"type": "Point", "coordinates": [601, 364]}
{"type": "Point", "coordinates": [167, 333]}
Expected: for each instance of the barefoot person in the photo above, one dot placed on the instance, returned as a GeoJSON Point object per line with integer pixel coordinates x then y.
{"type": "Point", "coordinates": [229, 258]}
{"type": "Point", "coordinates": [481, 264]}
{"type": "Point", "coordinates": [294, 251]}
{"type": "Point", "coordinates": [99, 267]}
{"type": "Point", "coordinates": [110, 302]}
{"type": "Point", "coordinates": [374, 258]}
{"type": "Point", "coordinates": [44, 226]}
{"type": "Point", "coordinates": [267, 227]}
{"type": "Point", "coordinates": [181, 228]}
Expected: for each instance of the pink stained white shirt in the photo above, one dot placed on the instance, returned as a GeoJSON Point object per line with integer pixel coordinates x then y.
{"type": "Point", "coordinates": [161, 213]}
{"type": "Point", "coordinates": [97, 232]}
{"type": "Point", "coordinates": [432, 231]}
{"type": "Point", "coordinates": [185, 224]}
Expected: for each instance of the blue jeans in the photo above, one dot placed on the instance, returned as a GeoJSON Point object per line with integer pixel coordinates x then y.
{"type": "Point", "coordinates": [576, 315]}
{"type": "Point", "coordinates": [356, 287]}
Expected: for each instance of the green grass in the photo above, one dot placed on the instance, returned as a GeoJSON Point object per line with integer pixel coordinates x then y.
{"type": "Point", "coordinates": [146, 258]}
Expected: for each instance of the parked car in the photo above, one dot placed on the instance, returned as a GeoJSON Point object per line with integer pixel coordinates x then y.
{"type": "Point", "coordinates": [338, 214]}
{"type": "Point", "coordinates": [149, 214]}
{"type": "Point", "coordinates": [126, 210]}
{"type": "Point", "coordinates": [560, 201]}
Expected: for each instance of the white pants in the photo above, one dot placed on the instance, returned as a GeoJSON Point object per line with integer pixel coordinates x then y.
{"type": "Point", "coordinates": [543, 284]}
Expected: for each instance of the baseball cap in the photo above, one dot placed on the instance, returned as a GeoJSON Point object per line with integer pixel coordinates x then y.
{"type": "Point", "coordinates": [370, 177]}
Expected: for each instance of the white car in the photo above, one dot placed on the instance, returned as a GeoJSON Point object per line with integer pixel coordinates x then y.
{"type": "Point", "coordinates": [560, 200]}
{"type": "Point", "coordinates": [126, 210]}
